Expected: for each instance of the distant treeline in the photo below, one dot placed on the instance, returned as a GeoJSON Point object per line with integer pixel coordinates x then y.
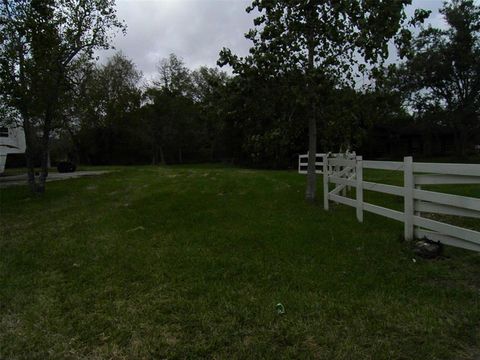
{"type": "Point", "coordinates": [425, 105]}
{"type": "Point", "coordinates": [73, 108]}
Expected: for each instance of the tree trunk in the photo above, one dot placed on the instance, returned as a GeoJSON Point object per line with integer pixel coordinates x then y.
{"type": "Point", "coordinates": [76, 145]}
{"type": "Point", "coordinates": [27, 126]}
{"type": "Point", "coordinates": [29, 154]}
{"type": "Point", "coordinates": [162, 156]}
{"type": "Point", "coordinates": [427, 145]}
{"type": "Point", "coordinates": [312, 150]}
{"type": "Point", "coordinates": [49, 160]}
{"type": "Point", "coordinates": [154, 155]}
{"type": "Point", "coordinates": [460, 136]}
{"type": "Point", "coordinates": [310, 192]}
{"type": "Point", "coordinates": [45, 151]}
{"type": "Point", "coordinates": [88, 158]}
{"type": "Point", "coordinates": [463, 142]}
{"type": "Point", "coordinates": [212, 150]}
{"type": "Point", "coordinates": [180, 156]}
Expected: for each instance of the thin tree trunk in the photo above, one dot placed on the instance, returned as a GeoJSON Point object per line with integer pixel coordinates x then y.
{"type": "Point", "coordinates": [76, 145]}
{"type": "Point", "coordinates": [162, 156]}
{"type": "Point", "coordinates": [44, 151]}
{"type": "Point", "coordinates": [312, 150]}
{"type": "Point", "coordinates": [154, 155]}
{"type": "Point", "coordinates": [463, 142]}
{"type": "Point", "coordinates": [29, 154]}
{"type": "Point", "coordinates": [213, 147]}
{"type": "Point", "coordinates": [310, 192]}
{"type": "Point", "coordinates": [460, 142]}
{"type": "Point", "coordinates": [212, 151]}
{"type": "Point", "coordinates": [27, 126]}
{"type": "Point", "coordinates": [427, 144]}
{"type": "Point", "coordinates": [88, 158]}
{"type": "Point", "coordinates": [49, 159]}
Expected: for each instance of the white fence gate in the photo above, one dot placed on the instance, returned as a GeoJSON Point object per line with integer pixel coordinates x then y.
{"type": "Point", "coordinates": [346, 170]}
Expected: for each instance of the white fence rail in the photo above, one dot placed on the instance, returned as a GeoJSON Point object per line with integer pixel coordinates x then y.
{"type": "Point", "coordinates": [303, 161]}
{"type": "Point", "coordinates": [346, 171]}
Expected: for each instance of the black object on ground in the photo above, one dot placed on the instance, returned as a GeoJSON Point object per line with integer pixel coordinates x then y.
{"type": "Point", "coordinates": [428, 249]}
{"type": "Point", "coordinates": [66, 167]}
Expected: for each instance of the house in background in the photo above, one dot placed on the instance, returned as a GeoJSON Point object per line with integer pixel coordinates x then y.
{"type": "Point", "coordinates": [12, 141]}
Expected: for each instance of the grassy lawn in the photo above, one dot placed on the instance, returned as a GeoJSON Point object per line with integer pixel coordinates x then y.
{"type": "Point", "coordinates": [190, 262]}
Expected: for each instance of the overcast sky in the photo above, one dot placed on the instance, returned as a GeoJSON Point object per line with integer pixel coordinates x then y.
{"type": "Point", "coordinates": [195, 30]}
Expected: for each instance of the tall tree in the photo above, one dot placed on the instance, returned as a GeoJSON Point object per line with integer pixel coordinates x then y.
{"type": "Point", "coordinates": [39, 43]}
{"type": "Point", "coordinates": [109, 110]}
{"type": "Point", "coordinates": [442, 70]}
{"type": "Point", "coordinates": [173, 76]}
{"type": "Point", "coordinates": [209, 86]}
{"type": "Point", "coordinates": [171, 109]}
{"type": "Point", "coordinates": [322, 41]}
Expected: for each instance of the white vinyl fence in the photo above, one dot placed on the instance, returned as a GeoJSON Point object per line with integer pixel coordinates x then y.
{"type": "Point", "coordinates": [346, 171]}
{"type": "Point", "coordinates": [303, 161]}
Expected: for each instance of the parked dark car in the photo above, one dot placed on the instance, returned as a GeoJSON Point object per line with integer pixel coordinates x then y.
{"type": "Point", "coordinates": [66, 167]}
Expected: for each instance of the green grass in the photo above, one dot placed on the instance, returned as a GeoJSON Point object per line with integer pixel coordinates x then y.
{"type": "Point", "coordinates": [189, 262]}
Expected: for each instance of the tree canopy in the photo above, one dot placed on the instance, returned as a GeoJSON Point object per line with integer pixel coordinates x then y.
{"type": "Point", "coordinates": [442, 70]}
{"type": "Point", "coordinates": [40, 40]}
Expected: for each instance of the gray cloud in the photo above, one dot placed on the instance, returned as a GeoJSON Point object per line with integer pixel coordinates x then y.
{"type": "Point", "coordinates": [196, 30]}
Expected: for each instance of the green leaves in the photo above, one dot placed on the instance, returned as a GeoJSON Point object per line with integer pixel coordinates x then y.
{"type": "Point", "coordinates": [340, 34]}
{"type": "Point", "coordinates": [41, 40]}
{"type": "Point", "coordinates": [441, 72]}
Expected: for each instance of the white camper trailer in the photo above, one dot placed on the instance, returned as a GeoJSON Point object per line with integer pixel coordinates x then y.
{"type": "Point", "coordinates": [12, 141]}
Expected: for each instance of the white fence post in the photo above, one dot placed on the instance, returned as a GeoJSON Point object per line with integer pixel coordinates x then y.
{"type": "Point", "coordinates": [359, 187]}
{"type": "Point", "coordinates": [344, 191]}
{"type": "Point", "coordinates": [325, 181]}
{"type": "Point", "coordinates": [408, 185]}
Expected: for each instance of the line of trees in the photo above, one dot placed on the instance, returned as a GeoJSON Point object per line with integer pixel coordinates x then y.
{"type": "Point", "coordinates": [298, 89]}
